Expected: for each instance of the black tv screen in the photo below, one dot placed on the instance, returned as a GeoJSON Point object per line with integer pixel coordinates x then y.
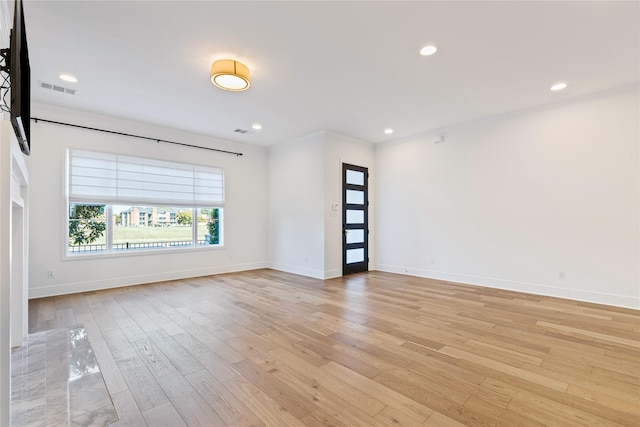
{"type": "Point", "coordinates": [20, 75]}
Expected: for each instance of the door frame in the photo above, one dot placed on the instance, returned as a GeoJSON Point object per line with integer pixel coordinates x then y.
{"type": "Point", "coordinates": [364, 265]}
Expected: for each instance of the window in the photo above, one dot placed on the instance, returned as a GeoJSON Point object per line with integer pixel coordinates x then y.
{"type": "Point", "coordinates": [121, 203]}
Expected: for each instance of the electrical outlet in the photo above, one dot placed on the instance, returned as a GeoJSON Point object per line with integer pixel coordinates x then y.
{"type": "Point", "coordinates": [51, 274]}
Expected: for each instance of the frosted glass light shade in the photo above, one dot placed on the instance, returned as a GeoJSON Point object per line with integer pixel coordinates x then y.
{"type": "Point", "coordinates": [230, 75]}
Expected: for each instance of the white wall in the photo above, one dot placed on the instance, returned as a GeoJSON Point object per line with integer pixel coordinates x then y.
{"type": "Point", "coordinates": [19, 246]}
{"type": "Point", "coordinates": [14, 210]}
{"type": "Point", "coordinates": [245, 245]}
{"type": "Point", "coordinates": [546, 201]}
{"type": "Point", "coordinates": [5, 248]}
{"type": "Point", "coordinates": [5, 270]}
{"type": "Point", "coordinates": [296, 206]}
{"type": "Point", "coordinates": [305, 179]}
{"type": "Point", "coordinates": [13, 228]}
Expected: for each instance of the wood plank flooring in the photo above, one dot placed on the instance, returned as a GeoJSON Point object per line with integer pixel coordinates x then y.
{"type": "Point", "coordinates": [266, 348]}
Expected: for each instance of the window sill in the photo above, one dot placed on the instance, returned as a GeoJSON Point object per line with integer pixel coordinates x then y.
{"type": "Point", "coordinates": [138, 252]}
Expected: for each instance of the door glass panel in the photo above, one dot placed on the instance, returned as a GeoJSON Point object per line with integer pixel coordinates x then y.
{"type": "Point", "coordinates": [355, 255]}
{"type": "Point", "coordinates": [355, 177]}
{"type": "Point", "coordinates": [355, 197]}
{"type": "Point", "coordinates": [355, 236]}
{"type": "Point", "coordinates": [355, 216]}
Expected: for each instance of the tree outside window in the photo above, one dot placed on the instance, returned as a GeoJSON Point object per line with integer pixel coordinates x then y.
{"type": "Point", "coordinates": [184, 218]}
{"type": "Point", "coordinates": [214, 227]}
{"type": "Point", "coordinates": [87, 223]}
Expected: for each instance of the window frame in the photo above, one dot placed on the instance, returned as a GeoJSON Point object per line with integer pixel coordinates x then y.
{"type": "Point", "coordinates": [110, 253]}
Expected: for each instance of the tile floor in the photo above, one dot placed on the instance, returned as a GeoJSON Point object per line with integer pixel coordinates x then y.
{"type": "Point", "coordinates": [56, 381]}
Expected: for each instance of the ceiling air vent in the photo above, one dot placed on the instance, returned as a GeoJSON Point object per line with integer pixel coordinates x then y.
{"type": "Point", "coordinates": [56, 88]}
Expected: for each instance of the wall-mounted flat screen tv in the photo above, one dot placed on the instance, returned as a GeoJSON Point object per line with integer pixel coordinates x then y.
{"type": "Point", "coordinates": [20, 75]}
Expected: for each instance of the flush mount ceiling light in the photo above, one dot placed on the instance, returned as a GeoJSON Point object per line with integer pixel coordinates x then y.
{"type": "Point", "coordinates": [428, 50]}
{"type": "Point", "coordinates": [388, 131]}
{"type": "Point", "coordinates": [230, 75]}
{"type": "Point", "coordinates": [256, 126]}
{"type": "Point", "coordinates": [558, 86]}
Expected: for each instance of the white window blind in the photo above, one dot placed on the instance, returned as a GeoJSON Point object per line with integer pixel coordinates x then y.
{"type": "Point", "coordinates": [117, 179]}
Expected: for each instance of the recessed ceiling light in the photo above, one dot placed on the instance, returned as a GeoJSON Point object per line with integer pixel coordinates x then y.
{"type": "Point", "coordinates": [558, 86]}
{"type": "Point", "coordinates": [68, 78]}
{"type": "Point", "coordinates": [388, 131]}
{"type": "Point", "coordinates": [428, 50]}
{"type": "Point", "coordinates": [257, 126]}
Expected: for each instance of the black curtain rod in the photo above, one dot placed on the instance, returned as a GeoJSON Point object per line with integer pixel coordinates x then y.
{"type": "Point", "coordinates": [135, 136]}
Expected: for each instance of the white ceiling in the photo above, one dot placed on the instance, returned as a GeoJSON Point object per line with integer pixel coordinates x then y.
{"type": "Point", "coordinates": [351, 67]}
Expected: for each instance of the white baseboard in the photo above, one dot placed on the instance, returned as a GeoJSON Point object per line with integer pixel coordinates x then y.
{"type": "Point", "coordinates": [332, 274]}
{"type": "Point", "coordinates": [72, 288]}
{"type": "Point", "coordinates": [308, 272]}
{"type": "Point", "coordinates": [511, 285]}
{"type": "Point", "coordinates": [295, 269]}
{"type": "Point", "coordinates": [533, 288]}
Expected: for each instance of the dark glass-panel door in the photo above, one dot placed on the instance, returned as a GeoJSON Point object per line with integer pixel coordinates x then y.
{"type": "Point", "coordinates": [355, 219]}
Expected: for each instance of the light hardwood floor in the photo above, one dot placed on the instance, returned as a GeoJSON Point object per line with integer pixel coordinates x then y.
{"type": "Point", "coordinates": [373, 349]}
